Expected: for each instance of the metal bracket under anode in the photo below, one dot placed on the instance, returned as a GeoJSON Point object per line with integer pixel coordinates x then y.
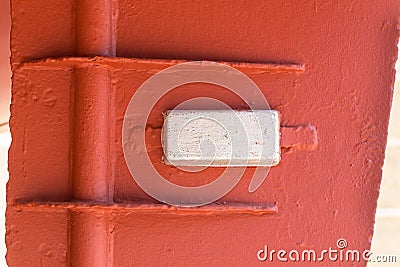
{"type": "Point", "coordinates": [293, 137]}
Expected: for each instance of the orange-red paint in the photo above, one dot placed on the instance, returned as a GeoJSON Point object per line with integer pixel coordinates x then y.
{"type": "Point", "coordinates": [326, 66]}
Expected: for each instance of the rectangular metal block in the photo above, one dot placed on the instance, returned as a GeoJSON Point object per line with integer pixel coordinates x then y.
{"type": "Point", "coordinates": [221, 138]}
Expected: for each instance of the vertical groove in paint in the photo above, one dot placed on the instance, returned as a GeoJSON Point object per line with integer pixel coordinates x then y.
{"type": "Point", "coordinates": [114, 18]}
{"type": "Point", "coordinates": [69, 239]}
{"type": "Point", "coordinates": [72, 131]}
{"type": "Point", "coordinates": [90, 239]}
{"type": "Point", "coordinates": [94, 28]}
{"type": "Point", "coordinates": [92, 179]}
{"type": "Point", "coordinates": [112, 128]}
{"type": "Point", "coordinates": [73, 25]}
{"type": "Point", "coordinates": [71, 159]}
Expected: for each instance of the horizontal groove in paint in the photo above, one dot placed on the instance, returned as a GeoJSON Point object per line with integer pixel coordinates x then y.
{"type": "Point", "coordinates": [215, 208]}
{"type": "Point", "coordinates": [157, 64]}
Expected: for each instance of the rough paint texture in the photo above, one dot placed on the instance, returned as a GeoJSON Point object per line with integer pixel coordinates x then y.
{"type": "Point", "coordinates": [67, 117]}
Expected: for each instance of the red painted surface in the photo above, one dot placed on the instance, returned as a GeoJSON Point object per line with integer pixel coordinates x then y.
{"type": "Point", "coordinates": [5, 73]}
{"type": "Point", "coordinates": [334, 99]}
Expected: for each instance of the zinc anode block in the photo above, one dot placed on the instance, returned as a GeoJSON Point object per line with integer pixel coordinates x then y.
{"type": "Point", "coordinates": [221, 138]}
